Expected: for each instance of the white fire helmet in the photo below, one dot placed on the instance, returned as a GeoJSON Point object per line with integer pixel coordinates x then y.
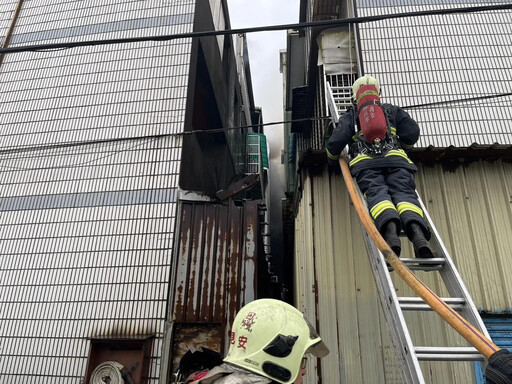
{"type": "Point", "coordinates": [270, 337]}
{"type": "Point", "coordinates": [364, 80]}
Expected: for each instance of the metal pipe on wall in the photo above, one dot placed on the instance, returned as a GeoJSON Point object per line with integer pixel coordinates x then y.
{"type": "Point", "coordinates": [11, 28]}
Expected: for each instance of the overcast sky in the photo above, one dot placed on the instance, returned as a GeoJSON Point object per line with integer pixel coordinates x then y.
{"type": "Point", "coordinates": [264, 50]}
{"type": "Point", "coordinates": [267, 84]}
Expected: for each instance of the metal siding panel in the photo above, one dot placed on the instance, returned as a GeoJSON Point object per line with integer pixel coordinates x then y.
{"type": "Point", "coordinates": [497, 204]}
{"type": "Point", "coordinates": [326, 276]}
{"type": "Point", "coordinates": [195, 265]}
{"type": "Point", "coordinates": [250, 251]}
{"type": "Point", "coordinates": [219, 298]}
{"type": "Point", "coordinates": [480, 222]}
{"type": "Point", "coordinates": [476, 200]}
{"type": "Point", "coordinates": [182, 273]}
{"type": "Point", "coordinates": [363, 305]}
{"type": "Point", "coordinates": [358, 315]}
{"type": "Point", "coordinates": [234, 264]}
{"type": "Point", "coordinates": [346, 254]}
{"type": "Point", "coordinates": [216, 270]}
{"type": "Point", "coordinates": [90, 227]}
{"type": "Point", "coordinates": [209, 260]}
{"type": "Point", "coordinates": [305, 278]}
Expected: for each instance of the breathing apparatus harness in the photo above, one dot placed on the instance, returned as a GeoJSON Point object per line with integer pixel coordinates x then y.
{"type": "Point", "coordinates": [377, 148]}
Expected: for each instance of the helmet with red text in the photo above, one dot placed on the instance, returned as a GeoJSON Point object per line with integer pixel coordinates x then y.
{"type": "Point", "coordinates": [270, 337]}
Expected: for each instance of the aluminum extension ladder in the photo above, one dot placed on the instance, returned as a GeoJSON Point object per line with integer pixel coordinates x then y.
{"type": "Point", "coordinates": [393, 306]}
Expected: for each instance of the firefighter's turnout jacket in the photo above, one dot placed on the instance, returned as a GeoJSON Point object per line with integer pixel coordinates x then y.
{"type": "Point", "coordinates": [404, 133]}
{"type": "Point", "coordinates": [385, 174]}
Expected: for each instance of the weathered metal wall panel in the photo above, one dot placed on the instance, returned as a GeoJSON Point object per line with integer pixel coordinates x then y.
{"type": "Point", "coordinates": [470, 206]}
{"type": "Point", "coordinates": [216, 270]}
{"type": "Point", "coordinates": [88, 194]}
{"type": "Point", "coordinates": [305, 283]}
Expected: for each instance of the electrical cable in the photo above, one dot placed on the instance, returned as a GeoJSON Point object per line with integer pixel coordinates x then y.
{"type": "Point", "coordinates": [337, 22]}
{"type": "Point", "coordinates": [219, 130]}
{"type": "Point", "coordinates": [439, 103]}
{"type": "Point", "coordinates": [152, 137]}
{"type": "Point", "coordinates": [296, 26]}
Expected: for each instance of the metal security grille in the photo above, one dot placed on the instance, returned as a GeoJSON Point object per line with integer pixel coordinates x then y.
{"type": "Point", "coordinates": [452, 72]}
{"type": "Point", "coordinates": [89, 165]}
{"type": "Point", "coordinates": [341, 87]}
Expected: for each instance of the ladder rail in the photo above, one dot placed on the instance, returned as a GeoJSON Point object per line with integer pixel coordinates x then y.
{"type": "Point", "coordinates": [393, 313]}
{"type": "Point", "coordinates": [470, 326]}
{"type": "Point", "coordinates": [456, 286]}
{"type": "Point", "coordinates": [388, 298]}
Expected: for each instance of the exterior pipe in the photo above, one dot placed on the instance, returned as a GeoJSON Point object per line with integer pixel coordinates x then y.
{"type": "Point", "coordinates": [485, 346]}
{"type": "Point", "coordinates": [8, 35]}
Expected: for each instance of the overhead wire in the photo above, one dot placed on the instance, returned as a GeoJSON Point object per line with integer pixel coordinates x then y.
{"type": "Point", "coordinates": [154, 137]}
{"type": "Point", "coordinates": [224, 129]}
{"type": "Point", "coordinates": [295, 26]}
{"type": "Point", "coordinates": [277, 27]}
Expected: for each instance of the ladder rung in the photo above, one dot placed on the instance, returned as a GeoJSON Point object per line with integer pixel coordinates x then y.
{"type": "Point", "coordinates": [433, 264]}
{"type": "Point", "coordinates": [419, 260]}
{"type": "Point", "coordinates": [417, 304]}
{"type": "Point", "coordinates": [448, 354]}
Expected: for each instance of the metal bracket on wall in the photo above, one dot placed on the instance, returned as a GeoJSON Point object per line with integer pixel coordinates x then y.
{"type": "Point", "coordinates": [238, 186]}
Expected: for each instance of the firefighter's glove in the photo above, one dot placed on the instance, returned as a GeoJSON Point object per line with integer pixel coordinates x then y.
{"type": "Point", "coordinates": [499, 369]}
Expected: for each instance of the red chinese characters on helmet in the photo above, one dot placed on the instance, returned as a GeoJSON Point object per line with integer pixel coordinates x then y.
{"type": "Point", "coordinates": [249, 321]}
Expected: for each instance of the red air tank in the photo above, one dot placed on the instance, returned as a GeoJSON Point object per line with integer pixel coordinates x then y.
{"type": "Point", "coordinates": [372, 119]}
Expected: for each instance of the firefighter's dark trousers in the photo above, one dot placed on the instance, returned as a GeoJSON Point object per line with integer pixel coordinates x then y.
{"type": "Point", "coordinates": [391, 195]}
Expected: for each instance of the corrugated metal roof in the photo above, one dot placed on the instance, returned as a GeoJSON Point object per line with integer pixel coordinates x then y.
{"type": "Point", "coordinates": [471, 208]}
{"type": "Point", "coordinates": [462, 154]}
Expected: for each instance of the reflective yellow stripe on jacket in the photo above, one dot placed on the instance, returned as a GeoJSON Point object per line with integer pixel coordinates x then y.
{"type": "Point", "coordinates": [399, 152]}
{"type": "Point", "coordinates": [404, 206]}
{"type": "Point", "coordinates": [357, 135]}
{"type": "Point", "coordinates": [377, 209]}
{"type": "Point", "coordinates": [358, 158]}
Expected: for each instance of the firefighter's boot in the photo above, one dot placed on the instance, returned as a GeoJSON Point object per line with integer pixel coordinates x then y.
{"type": "Point", "coordinates": [390, 234]}
{"type": "Point", "coordinates": [419, 241]}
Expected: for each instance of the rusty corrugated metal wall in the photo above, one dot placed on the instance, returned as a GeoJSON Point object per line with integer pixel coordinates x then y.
{"type": "Point", "coordinates": [470, 206]}
{"type": "Point", "coordinates": [216, 271]}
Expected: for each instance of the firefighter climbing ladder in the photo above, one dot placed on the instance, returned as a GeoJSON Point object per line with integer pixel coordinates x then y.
{"type": "Point", "coordinates": [458, 309]}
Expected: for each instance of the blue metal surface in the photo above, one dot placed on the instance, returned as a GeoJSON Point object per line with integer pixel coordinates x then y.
{"type": "Point", "coordinates": [500, 329]}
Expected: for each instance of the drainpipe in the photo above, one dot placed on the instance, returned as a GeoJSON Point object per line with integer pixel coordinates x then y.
{"type": "Point", "coordinates": [8, 35]}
